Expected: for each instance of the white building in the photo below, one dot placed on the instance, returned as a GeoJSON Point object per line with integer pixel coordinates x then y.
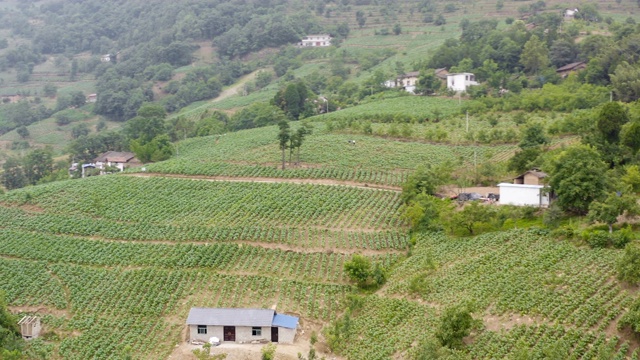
{"type": "Point", "coordinates": [527, 190]}
{"type": "Point", "coordinates": [120, 160]}
{"type": "Point", "coordinates": [461, 81]}
{"type": "Point", "coordinates": [406, 81]}
{"type": "Point", "coordinates": [570, 14]}
{"type": "Point", "coordinates": [316, 40]}
{"type": "Point", "coordinates": [241, 325]}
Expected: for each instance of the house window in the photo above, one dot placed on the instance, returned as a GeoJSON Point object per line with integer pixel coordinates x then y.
{"type": "Point", "coordinates": [202, 329]}
{"type": "Point", "coordinates": [256, 331]}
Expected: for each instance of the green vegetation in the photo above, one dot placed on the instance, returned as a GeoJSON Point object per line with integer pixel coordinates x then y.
{"type": "Point", "coordinates": [354, 230]}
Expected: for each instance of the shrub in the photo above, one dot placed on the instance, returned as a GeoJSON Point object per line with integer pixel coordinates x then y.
{"type": "Point", "coordinates": [597, 238]}
{"type": "Point", "coordinates": [621, 238]}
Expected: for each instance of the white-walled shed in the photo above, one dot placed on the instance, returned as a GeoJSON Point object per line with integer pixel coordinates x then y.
{"type": "Point", "coordinates": [523, 195]}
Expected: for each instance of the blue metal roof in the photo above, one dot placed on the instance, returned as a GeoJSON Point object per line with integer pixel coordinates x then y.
{"type": "Point", "coordinates": [285, 321]}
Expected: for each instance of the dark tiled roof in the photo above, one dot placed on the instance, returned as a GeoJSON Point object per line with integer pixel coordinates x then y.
{"type": "Point", "coordinates": [115, 156]}
{"type": "Point", "coordinates": [570, 66]}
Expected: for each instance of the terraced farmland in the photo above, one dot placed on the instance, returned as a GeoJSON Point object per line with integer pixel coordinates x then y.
{"type": "Point", "coordinates": [324, 155]}
{"type": "Point", "coordinates": [532, 293]}
{"type": "Point", "coordinates": [120, 258]}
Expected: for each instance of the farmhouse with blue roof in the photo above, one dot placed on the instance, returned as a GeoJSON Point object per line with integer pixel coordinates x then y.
{"type": "Point", "coordinates": [241, 325]}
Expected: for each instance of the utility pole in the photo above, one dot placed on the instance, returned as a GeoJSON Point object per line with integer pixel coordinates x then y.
{"type": "Point", "coordinates": [467, 120]}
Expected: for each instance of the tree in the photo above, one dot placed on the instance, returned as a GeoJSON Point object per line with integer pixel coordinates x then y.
{"type": "Point", "coordinates": [397, 29]}
{"type": "Point", "coordinates": [630, 136]}
{"type": "Point", "coordinates": [535, 55]}
{"type": "Point", "coordinates": [424, 211]}
{"type": "Point", "coordinates": [578, 177]}
{"type": "Point", "coordinates": [524, 159]}
{"type": "Point", "coordinates": [23, 132]}
{"type": "Point", "coordinates": [533, 135]}
{"type": "Point", "coordinates": [158, 149]}
{"type": "Point", "coordinates": [148, 124]}
{"type": "Point", "coordinates": [298, 138]}
{"type": "Point", "coordinates": [428, 82]}
{"type": "Point", "coordinates": [626, 82]}
{"type": "Point", "coordinates": [608, 210]}
{"type": "Point", "coordinates": [611, 117]}
{"type": "Point", "coordinates": [440, 20]}
{"type": "Point", "coordinates": [283, 137]}
{"type": "Point", "coordinates": [425, 180]}
{"type": "Point", "coordinates": [628, 266]}
{"type": "Point", "coordinates": [13, 175]}
{"type": "Point", "coordinates": [80, 130]}
{"type": "Point", "coordinates": [74, 69]}
{"type": "Point", "coordinates": [360, 18]}
{"type": "Point", "coordinates": [358, 269]}
{"type": "Point", "coordinates": [292, 99]}
{"type": "Point", "coordinates": [456, 323]}
{"type": "Point", "coordinates": [38, 164]}
{"type": "Point", "coordinates": [562, 52]}
{"type": "Point", "coordinates": [10, 339]}
{"type": "Point", "coordinates": [77, 99]}
{"type": "Point", "coordinates": [471, 216]}
{"type": "Point", "coordinates": [49, 90]}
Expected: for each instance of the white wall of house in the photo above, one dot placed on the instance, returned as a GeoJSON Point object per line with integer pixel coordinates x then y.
{"type": "Point", "coordinates": [522, 195]}
{"type": "Point", "coordinates": [243, 334]}
{"type": "Point", "coordinates": [316, 40]}
{"type": "Point", "coordinates": [286, 336]}
{"type": "Point", "coordinates": [461, 81]}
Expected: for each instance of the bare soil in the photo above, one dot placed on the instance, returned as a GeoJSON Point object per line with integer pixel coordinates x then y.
{"type": "Point", "coordinates": [507, 321]}
{"type": "Point", "coordinates": [451, 190]}
{"type": "Point", "coordinates": [42, 310]}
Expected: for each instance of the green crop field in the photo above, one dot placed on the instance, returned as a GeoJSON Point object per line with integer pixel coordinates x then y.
{"type": "Point", "coordinates": [127, 271]}
{"type": "Point", "coordinates": [565, 297]}
{"type": "Point", "coordinates": [325, 155]}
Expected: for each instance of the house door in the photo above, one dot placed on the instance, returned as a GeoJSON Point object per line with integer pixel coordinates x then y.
{"type": "Point", "coordinates": [229, 333]}
{"type": "Point", "coordinates": [274, 334]}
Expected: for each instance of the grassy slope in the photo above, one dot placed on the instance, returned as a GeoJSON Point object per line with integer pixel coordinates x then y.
{"type": "Point", "coordinates": [324, 155]}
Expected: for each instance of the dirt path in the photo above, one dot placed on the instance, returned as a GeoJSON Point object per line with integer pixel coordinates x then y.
{"type": "Point", "coordinates": [329, 182]}
{"type": "Point", "coordinates": [233, 89]}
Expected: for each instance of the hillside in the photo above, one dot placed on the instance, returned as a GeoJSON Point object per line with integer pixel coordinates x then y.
{"type": "Point", "coordinates": [56, 50]}
{"type": "Point", "coordinates": [117, 274]}
{"type": "Point", "coordinates": [273, 175]}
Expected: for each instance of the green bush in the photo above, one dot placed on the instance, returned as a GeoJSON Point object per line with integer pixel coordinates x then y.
{"type": "Point", "coordinates": [565, 232]}
{"type": "Point", "coordinates": [597, 239]}
{"type": "Point", "coordinates": [621, 238]}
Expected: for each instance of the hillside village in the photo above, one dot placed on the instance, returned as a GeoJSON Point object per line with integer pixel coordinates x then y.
{"type": "Point", "coordinates": [339, 179]}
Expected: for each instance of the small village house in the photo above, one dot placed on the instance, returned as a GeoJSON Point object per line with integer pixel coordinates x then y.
{"type": "Point", "coordinates": [442, 73]}
{"type": "Point", "coordinates": [569, 14]}
{"type": "Point", "coordinates": [30, 327]}
{"type": "Point", "coordinates": [317, 40]}
{"type": "Point", "coordinates": [241, 325]}
{"type": "Point", "coordinates": [91, 98]}
{"type": "Point", "coordinates": [120, 160]}
{"type": "Point", "coordinates": [564, 71]}
{"type": "Point", "coordinates": [406, 81]}
{"type": "Point", "coordinates": [461, 81]}
{"type": "Point", "coordinates": [526, 190]}
{"type": "Point", "coordinates": [409, 81]}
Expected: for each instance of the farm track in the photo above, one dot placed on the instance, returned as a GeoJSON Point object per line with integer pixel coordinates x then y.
{"type": "Point", "coordinates": [326, 182]}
